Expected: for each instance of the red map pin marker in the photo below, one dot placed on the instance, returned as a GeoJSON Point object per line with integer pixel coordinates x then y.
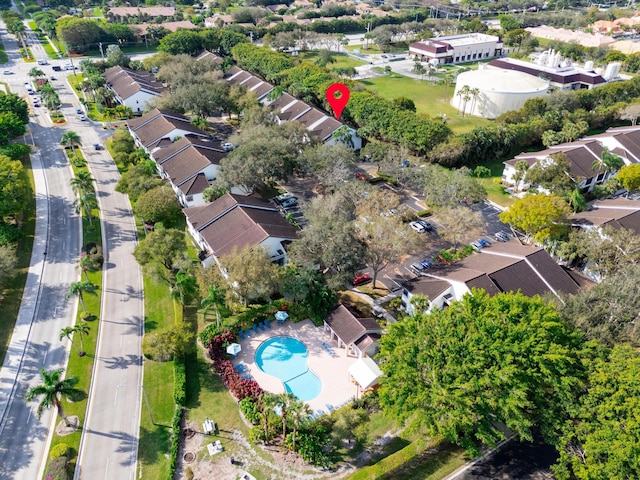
{"type": "Point", "coordinates": [338, 104]}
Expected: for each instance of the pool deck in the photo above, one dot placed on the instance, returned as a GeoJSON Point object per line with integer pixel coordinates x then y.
{"type": "Point", "coordinates": [333, 372]}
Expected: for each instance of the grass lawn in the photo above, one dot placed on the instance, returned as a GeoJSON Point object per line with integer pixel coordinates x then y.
{"type": "Point", "coordinates": [428, 98]}
{"type": "Point", "coordinates": [432, 465]}
{"type": "Point", "coordinates": [82, 367]}
{"type": "Point", "coordinates": [341, 60]}
{"type": "Point", "coordinates": [160, 314]}
{"type": "Point", "coordinates": [495, 190]}
{"type": "Point", "coordinates": [12, 295]}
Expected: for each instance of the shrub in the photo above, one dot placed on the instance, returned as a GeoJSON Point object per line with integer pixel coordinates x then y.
{"type": "Point", "coordinates": [58, 469]}
{"type": "Point", "coordinates": [188, 472]}
{"type": "Point", "coordinates": [9, 234]}
{"type": "Point", "coordinates": [239, 388]}
{"type": "Point", "coordinates": [175, 442]}
{"type": "Point", "coordinates": [60, 450]}
{"type": "Point", "coordinates": [179, 382]}
{"type": "Point", "coordinates": [424, 213]}
{"type": "Point", "coordinates": [250, 410]}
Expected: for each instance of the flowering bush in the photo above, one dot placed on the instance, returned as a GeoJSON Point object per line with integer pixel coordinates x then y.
{"type": "Point", "coordinates": [239, 387]}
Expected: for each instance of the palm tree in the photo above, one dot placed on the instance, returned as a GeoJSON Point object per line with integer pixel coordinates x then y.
{"type": "Point", "coordinates": [215, 298]}
{"type": "Point", "coordinates": [86, 201]}
{"type": "Point", "coordinates": [474, 92]}
{"type": "Point", "coordinates": [70, 139]}
{"type": "Point", "coordinates": [200, 122]}
{"type": "Point", "coordinates": [52, 389]}
{"type": "Point", "coordinates": [67, 332]}
{"type": "Point", "coordinates": [81, 329]}
{"type": "Point", "coordinates": [82, 182]}
{"type": "Point", "coordinates": [36, 73]}
{"type": "Point", "coordinates": [299, 411]}
{"type": "Point", "coordinates": [608, 162]}
{"type": "Point", "coordinates": [465, 95]}
{"type": "Point", "coordinates": [85, 263]}
{"type": "Point", "coordinates": [80, 288]}
{"type": "Point", "coordinates": [183, 287]}
{"type": "Point", "coordinates": [267, 402]}
{"type": "Point", "coordinates": [284, 401]}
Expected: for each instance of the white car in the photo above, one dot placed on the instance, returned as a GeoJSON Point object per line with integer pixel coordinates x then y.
{"type": "Point", "coordinates": [228, 147]}
{"type": "Point", "coordinates": [418, 227]}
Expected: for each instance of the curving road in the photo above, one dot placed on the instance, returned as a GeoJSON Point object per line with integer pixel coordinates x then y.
{"type": "Point", "coordinates": [45, 309]}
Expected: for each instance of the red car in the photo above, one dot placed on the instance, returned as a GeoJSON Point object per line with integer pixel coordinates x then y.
{"type": "Point", "coordinates": [361, 279]}
{"type": "Point", "coordinates": [360, 176]}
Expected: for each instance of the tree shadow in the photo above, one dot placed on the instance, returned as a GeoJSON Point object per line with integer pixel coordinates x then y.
{"type": "Point", "coordinates": [121, 362]}
{"type": "Point", "coordinates": [153, 444]}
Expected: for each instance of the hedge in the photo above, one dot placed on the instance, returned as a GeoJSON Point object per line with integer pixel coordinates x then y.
{"type": "Point", "coordinates": [385, 467]}
{"type": "Point", "coordinates": [179, 382]}
{"type": "Point", "coordinates": [59, 450]}
{"type": "Point", "coordinates": [175, 442]}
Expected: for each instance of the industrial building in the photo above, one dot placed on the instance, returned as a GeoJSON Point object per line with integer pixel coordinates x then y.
{"type": "Point", "coordinates": [457, 48]}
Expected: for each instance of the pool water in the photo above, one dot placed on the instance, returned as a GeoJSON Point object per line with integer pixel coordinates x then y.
{"type": "Point", "coordinates": [286, 359]}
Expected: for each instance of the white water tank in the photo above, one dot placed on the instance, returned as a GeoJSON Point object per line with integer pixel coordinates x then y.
{"type": "Point", "coordinates": [612, 71]}
{"type": "Point", "coordinates": [498, 91]}
{"type": "Point", "coordinates": [588, 65]}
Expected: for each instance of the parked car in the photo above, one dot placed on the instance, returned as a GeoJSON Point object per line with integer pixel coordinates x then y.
{"type": "Point", "coordinates": [97, 146]}
{"type": "Point", "coordinates": [42, 61]}
{"type": "Point", "coordinates": [289, 202]}
{"type": "Point", "coordinates": [361, 279]}
{"type": "Point", "coordinates": [418, 227]}
{"type": "Point", "coordinates": [227, 147]}
{"type": "Point", "coordinates": [502, 236]}
{"type": "Point", "coordinates": [52, 78]}
{"type": "Point", "coordinates": [83, 118]}
{"type": "Point", "coordinates": [283, 197]}
{"type": "Point", "coordinates": [7, 72]}
{"type": "Point", "coordinates": [427, 226]}
{"type": "Point", "coordinates": [78, 110]}
{"type": "Point", "coordinates": [426, 264]}
{"type": "Point", "coordinates": [484, 242]}
{"type": "Point", "coordinates": [476, 246]}
{"type": "Point", "coordinates": [416, 268]}
{"type": "Point", "coordinates": [36, 104]}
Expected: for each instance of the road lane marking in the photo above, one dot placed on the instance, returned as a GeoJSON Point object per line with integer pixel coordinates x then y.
{"type": "Point", "coordinates": [44, 359]}
{"type": "Point", "coordinates": [29, 416]}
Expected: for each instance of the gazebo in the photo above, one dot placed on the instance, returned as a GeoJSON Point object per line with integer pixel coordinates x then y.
{"type": "Point", "coordinates": [365, 373]}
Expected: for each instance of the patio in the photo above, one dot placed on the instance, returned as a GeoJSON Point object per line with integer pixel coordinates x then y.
{"type": "Point", "coordinates": [333, 371]}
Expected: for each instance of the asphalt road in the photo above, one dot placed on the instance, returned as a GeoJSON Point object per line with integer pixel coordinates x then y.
{"type": "Point", "coordinates": [109, 443]}
{"type": "Point", "coordinates": [45, 309]}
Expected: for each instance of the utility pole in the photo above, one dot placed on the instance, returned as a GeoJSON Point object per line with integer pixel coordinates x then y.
{"type": "Point", "coordinates": [147, 402]}
{"type": "Point", "coordinates": [101, 52]}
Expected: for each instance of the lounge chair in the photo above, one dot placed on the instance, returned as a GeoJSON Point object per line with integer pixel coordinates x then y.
{"type": "Point", "coordinates": [254, 328]}
{"type": "Point", "coordinates": [330, 407]}
{"type": "Point", "coordinates": [241, 335]}
{"type": "Point", "coordinates": [247, 332]}
{"type": "Point", "coordinates": [320, 412]}
{"type": "Point", "coordinates": [246, 376]}
{"type": "Point", "coordinates": [261, 326]}
{"type": "Point", "coordinates": [266, 322]}
{"type": "Point", "coordinates": [241, 367]}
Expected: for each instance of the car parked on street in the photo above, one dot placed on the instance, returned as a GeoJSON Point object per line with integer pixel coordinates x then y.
{"type": "Point", "coordinates": [7, 72]}
{"type": "Point", "coordinates": [361, 279]}
{"type": "Point", "coordinates": [78, 110]}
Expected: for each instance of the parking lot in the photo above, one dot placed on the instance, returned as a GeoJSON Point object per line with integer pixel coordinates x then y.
{"type": "Point", "coordinates": [395, 275]}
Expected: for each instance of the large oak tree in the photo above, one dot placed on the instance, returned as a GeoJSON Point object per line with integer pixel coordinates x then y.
{"type": "Point", "coordinates": [482, 363]}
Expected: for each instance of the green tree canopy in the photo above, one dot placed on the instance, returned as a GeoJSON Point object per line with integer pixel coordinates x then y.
{"type": "Point", "coordinates": [540, 216]}
{"type": "Point", "coordinates": [158, 205]}
{"type": "Point", "coordinates": [601, 439]}
{"type": "Point", "coordinates": [14, 187]}
{"type": "Point", "coordinates": [629, 177]}
{"type": "Point", "coordinates": [507, 359]}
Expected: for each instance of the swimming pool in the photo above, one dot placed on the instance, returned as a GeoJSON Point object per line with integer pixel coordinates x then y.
{"type": "Point", "coordinates": [286, 359]}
